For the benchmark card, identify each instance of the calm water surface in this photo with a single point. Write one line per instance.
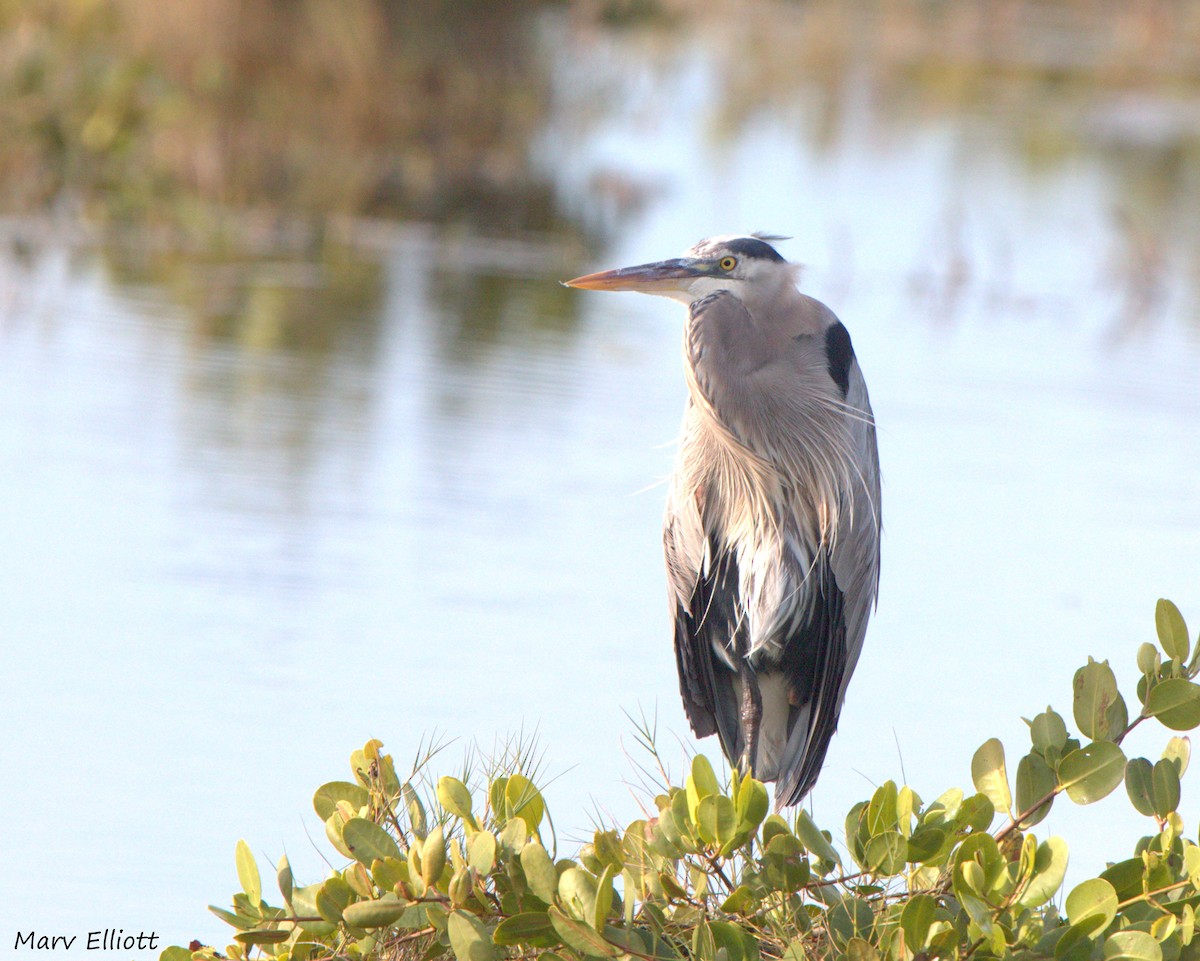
(262, 508)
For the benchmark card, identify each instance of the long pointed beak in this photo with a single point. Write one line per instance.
(657, 278)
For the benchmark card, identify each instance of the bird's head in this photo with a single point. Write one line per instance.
(745, 266)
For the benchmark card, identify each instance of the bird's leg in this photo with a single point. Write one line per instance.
(751, 717)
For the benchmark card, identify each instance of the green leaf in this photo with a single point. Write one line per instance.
(1092, 905)
(736, 943)
(283, 876)
(577, 889)
(704, 946)
(1067, 947)
(524, 801)
(1172, 631)
(1176, 703)
(433, 856)
(908, 803)
(882, 812)
(453, 795)
(976, 812)
(481, 852)
(416, 810)
(701, 783)
(374, 914)
(741, 901)
(530, 927)
(990, 775)
(1035, 780)
(796, 951)
(175, 953)
(1048, 732)
(813, 839)
(266, 936)
(1163, 927)
(388, 872)
(772, 826)
(333, 831)
(916, 920)
(1148, 660)
(326, 799)
(604, 899)
(607, 848)
(925, 844)
(1191, 863)
(886, 853)
(304, 902)
(860, 949)
(785, 868)
(1099, 708)
(753, 803)
(239, 921)
(247, 872)
(1139, 785)
(850, 918)
(1049, 869)
(368, 842)
(981, 865)
(437, 915)
(972, 877)
(1091, 772)
(460, 886)
(1126, 877)
(540, 873)
(1132, 946)
(1165, 786)
(333, 897)
(716, 819)
(469, 937)
(704, 776)
(1178, 751)
(514, 836)
(581, 937)
(856, 830)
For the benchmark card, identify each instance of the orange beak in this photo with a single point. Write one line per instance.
(657, 278)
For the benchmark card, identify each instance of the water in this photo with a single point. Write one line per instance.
(263, 507)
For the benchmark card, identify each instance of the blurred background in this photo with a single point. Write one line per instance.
(301, 442)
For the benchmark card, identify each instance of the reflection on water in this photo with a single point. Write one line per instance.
(279, 483)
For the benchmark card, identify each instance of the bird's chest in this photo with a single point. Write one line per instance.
(734, 490)
(759, 532)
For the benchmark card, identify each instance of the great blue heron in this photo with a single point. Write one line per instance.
(772, 522)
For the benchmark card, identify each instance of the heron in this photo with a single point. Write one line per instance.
(772, 523)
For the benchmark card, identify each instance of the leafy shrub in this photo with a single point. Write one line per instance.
(717, 877)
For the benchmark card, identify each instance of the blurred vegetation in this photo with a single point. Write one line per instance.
(407, 110)
(195, 138)
(428, 110)
(441, 869)
(254, 159)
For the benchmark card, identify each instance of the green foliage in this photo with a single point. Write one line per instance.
(471, 874)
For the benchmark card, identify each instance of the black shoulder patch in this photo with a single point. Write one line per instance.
(753, 248)
(838, 355)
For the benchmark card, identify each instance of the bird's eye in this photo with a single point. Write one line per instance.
(728, 263)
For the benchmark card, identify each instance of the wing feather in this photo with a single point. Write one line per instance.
(820, 658)
(704, 595)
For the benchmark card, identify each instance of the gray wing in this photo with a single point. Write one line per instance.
(856, 555)
(821, 656)
(704, 593)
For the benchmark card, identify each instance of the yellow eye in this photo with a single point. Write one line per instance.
(728, 263)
